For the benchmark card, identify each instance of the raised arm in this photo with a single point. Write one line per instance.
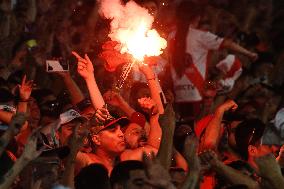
(155, 133)
(154, 86)
(25, 90)
(30, 153)
(113, 98)
(75, 142)
(17, 122)
(72, 87)
(86, 70)
(190, 152)
(213, 131)
(236, 177)
(229, 44)
(167, 123)
(269, 170)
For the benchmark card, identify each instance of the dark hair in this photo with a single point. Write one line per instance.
(186, 12)
(47, 108)
(121, 172)
(93, 176)
(7, 163)
(15, 78)
(39, 94)
(6, 96)
(248, 132)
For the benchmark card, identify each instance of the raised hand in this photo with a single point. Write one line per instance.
(228, 105)
(102, 115)
(80, 131)
(267, 166)
(113, 58)
(280, 158)
(31, 152)
(85, 67)
(168, 118)
(25, 89)
(113, 98)
(148, 105)
(208, 159)
(157, 175)
(190, 152)
(147, 71)
(18, 120)
(253, 56)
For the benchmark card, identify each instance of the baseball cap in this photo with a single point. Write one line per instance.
(274, 132)
(70, 115)
(110, 123)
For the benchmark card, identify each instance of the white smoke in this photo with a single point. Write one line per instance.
(128, 22)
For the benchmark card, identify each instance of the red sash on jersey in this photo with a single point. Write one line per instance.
(237, 65)
(195, 77)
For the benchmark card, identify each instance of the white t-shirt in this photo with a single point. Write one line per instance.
(198, 45)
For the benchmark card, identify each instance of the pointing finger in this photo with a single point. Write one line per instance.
(87, 58)
(76, 55)
(24, 80)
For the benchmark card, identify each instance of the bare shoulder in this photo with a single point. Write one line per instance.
(136, 154)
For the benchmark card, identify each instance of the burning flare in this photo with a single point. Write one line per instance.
(131, 27)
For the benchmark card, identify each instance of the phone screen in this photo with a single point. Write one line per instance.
(56, 66)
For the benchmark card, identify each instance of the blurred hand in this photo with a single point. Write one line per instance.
(80, 131)
(267, 166)
(113, 98)
(113, 58)
(85, 67)
(152, 60)
(208, 159)
(18, 120)
(168, 118)
(228, 105)
(31, 152)
(146, 70)
(148, 105)
(280, 158)
(157, 175)
(25, 89)
(253, 56)
(190, 152)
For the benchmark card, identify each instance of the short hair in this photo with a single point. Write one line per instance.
(121, 172)
(6, 96)
(248, 132)
(93, 176)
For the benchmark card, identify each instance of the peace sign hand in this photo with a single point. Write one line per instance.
(25, 89)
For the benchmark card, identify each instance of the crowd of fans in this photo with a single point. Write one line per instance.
(207, 113)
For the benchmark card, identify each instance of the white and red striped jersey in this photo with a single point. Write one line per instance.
(189, 87)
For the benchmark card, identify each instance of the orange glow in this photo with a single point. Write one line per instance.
(141, 42)
(131, 27)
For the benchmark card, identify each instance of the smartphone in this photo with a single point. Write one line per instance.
(57, 66)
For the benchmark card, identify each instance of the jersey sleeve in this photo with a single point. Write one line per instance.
(211, 41)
